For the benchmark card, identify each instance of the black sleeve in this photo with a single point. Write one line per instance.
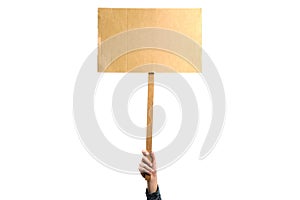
(153, 196)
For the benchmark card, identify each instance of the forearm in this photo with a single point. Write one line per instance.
(152, 192)
(152, 184)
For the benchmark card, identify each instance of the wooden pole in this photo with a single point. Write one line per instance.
(149, 117)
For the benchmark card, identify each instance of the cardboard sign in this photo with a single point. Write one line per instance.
(131, 37)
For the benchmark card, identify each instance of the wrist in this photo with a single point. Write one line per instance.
(152, 184)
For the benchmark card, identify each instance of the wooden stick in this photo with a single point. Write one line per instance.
(149, 117)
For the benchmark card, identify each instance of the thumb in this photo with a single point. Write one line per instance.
(153, 158)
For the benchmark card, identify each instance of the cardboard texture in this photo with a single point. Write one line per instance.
(115, 23)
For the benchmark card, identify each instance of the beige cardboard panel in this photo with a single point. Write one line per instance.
(111, 21)
(186, 21)
(160, 57)
(148, 56)
(114, 21)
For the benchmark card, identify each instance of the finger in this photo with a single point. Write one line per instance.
(148, 168)
(146, 161)
(145, 153)
(143, 171)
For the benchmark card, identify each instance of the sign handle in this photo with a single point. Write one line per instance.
(149, 117)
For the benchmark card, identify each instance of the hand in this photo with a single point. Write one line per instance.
(148, 167)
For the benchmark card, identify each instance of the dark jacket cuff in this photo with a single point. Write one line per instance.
(154, 195)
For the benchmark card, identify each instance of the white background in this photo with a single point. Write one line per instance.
(255, 45)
